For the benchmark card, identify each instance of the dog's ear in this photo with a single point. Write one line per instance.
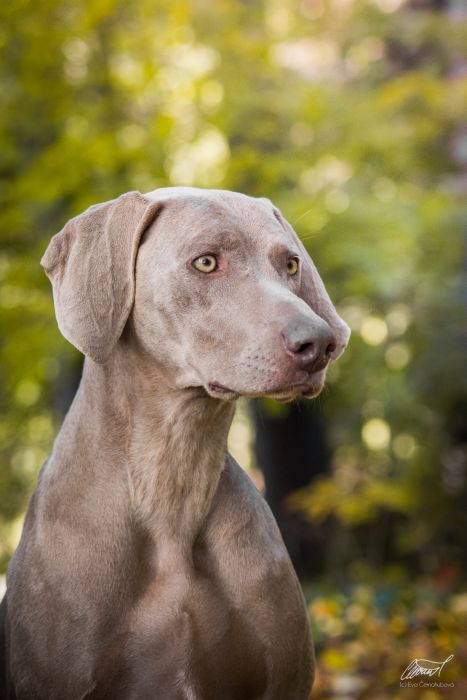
(315, 294)
(91, 264)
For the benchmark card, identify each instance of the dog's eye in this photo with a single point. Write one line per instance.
(292, 266)
(205, 263)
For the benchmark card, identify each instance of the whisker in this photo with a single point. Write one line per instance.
(302, 215)
(307, 238)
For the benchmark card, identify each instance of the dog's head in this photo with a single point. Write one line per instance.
(216, 286)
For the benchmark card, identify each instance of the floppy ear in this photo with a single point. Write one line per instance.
(91, 264)
(315, 294)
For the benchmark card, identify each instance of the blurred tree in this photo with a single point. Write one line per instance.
(348, 115)
(290, 448)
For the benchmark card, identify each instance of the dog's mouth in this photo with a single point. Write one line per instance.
(218, 391)
(283, 394)
(307, 391)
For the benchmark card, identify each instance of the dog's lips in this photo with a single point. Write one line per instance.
(286, 393)
(292, 392)
(312, 392)
(309, 387)
(221, 392)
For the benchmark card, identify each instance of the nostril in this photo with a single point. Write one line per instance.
(306, 348)
(330, 349)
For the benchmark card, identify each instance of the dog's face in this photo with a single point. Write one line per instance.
(216, 286)
(227, 298)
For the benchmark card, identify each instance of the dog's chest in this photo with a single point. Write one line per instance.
(186, 635)
(214, 624)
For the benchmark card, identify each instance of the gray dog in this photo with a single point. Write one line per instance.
(149, 566)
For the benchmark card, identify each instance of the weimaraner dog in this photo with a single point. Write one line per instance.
(149, 567)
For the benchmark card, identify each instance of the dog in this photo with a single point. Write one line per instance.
(149, 566)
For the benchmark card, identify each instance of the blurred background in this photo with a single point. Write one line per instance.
(350, 116)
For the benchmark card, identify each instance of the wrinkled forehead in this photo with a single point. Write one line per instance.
(190, 216)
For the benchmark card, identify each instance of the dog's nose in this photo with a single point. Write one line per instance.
(310, 345)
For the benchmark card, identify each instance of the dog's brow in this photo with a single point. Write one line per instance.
(282, 249)
(227, 240)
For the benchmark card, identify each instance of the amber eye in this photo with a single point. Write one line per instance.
(292, 266)
(205, 263)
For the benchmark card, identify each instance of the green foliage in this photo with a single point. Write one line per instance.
(345, 115)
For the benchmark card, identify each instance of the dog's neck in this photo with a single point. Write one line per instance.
(174, 441)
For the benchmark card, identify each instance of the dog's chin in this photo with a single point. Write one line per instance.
(285, 394)
(307, 391)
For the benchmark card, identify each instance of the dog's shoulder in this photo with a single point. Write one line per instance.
(236, 486)
(240, 516)
(251, 560)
